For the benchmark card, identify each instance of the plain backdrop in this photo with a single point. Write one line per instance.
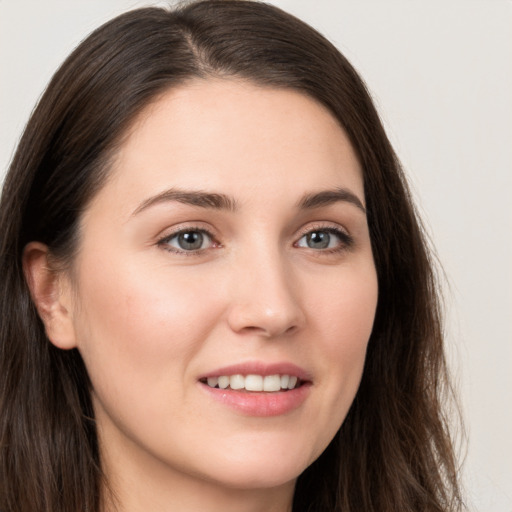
(440, 72)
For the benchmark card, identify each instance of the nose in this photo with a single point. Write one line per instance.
(265, 299)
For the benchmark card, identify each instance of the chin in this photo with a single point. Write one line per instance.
(262, 470)
(260, 478)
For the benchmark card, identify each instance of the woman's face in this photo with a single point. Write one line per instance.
(230, 240)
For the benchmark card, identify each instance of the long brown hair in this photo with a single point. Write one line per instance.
(393, 451)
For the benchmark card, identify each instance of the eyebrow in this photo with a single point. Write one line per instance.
(220, 201)
(328, 197)
(192, 197)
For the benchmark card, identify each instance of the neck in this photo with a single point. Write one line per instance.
(204, 498)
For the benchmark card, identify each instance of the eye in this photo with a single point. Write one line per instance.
(189, 240)
(325, 238)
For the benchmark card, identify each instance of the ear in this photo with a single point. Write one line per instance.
(51, 293)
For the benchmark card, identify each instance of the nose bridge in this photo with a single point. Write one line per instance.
(266, 299)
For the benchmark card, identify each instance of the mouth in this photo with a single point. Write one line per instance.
(258, 389)
(254, 383)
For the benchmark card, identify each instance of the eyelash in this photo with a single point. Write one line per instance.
(345, 240)
(164, 242)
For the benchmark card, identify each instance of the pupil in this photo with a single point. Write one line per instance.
(191, 240)
(318, 240)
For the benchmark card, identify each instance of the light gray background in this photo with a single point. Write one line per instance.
(441, 74)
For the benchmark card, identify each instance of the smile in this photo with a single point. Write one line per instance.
(254, 383)
(257, 388)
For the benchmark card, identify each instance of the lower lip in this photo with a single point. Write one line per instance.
(260, 403)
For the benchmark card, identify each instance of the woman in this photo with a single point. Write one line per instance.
(216, 293)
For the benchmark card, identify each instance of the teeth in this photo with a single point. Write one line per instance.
(254, 383)
(223, 382)
(272, 383)
(237, 382)
(212, 381)
(269, 383)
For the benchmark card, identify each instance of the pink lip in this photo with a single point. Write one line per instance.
(261, 404)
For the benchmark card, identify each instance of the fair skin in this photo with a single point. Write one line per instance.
(171, 286)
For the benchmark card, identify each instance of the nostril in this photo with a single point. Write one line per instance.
(291, 329)
(268, 332)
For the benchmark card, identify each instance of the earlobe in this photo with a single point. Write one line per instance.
(51, 295)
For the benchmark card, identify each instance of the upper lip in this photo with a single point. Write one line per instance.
(260, 368)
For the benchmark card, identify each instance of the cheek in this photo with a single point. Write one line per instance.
(138, 325)
(344, 315)
(344, 310)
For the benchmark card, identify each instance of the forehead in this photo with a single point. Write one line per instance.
(238, 138)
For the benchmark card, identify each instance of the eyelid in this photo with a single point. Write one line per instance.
(162, 240)
(322, 225)
(346, 239)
